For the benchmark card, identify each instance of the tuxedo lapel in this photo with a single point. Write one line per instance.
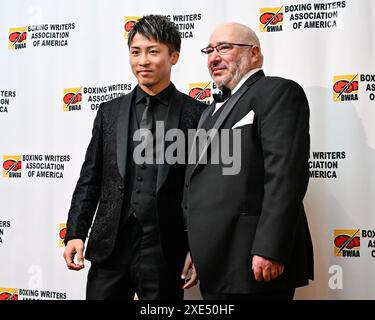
(123, 132)
(206, 113)
(227, 109)
(172, 122)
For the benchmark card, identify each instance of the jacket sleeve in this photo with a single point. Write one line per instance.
(285, 140)
(87, 191)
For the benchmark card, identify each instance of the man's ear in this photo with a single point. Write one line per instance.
(174, 57)
(255, 57)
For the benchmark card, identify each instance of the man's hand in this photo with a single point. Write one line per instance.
(194, 277)
(265, 269)
(74, 247)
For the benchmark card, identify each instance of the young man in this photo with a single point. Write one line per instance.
(137, 242)
(249, 237)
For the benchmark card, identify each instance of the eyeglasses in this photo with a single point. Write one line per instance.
(223, 48)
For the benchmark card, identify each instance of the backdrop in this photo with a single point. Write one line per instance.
(60, 59)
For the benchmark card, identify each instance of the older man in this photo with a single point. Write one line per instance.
(248, 233)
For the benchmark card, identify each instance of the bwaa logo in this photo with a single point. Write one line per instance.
(17, 38)
(271, 19)
(62, 234)
(12, 166)
(129, 23)
(72, 99)
(345, 87)
(201, 91)
(346, 243)
(8, 294)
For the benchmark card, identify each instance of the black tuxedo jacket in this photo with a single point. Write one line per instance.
(258, 211)
(100, 187)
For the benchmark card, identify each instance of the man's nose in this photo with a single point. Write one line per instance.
(214, 57)
(143, 59)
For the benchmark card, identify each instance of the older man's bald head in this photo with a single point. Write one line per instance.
(237, 31)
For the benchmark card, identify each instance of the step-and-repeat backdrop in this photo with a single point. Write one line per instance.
(60, 59)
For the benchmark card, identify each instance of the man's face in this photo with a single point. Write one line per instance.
(151, 63)
(227, 69)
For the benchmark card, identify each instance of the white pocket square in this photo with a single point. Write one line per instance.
(248, 119)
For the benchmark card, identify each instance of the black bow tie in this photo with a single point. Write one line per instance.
(224, 95)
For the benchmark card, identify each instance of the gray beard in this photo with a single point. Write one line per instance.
(235, 76)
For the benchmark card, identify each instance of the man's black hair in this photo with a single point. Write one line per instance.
(159, 28)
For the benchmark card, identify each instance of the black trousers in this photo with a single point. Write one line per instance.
(277, 295)
(136, 265)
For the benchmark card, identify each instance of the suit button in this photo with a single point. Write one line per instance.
(137, 191)
(139, 178)
(121, 188)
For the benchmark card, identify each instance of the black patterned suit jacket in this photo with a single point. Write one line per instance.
(100, 188)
